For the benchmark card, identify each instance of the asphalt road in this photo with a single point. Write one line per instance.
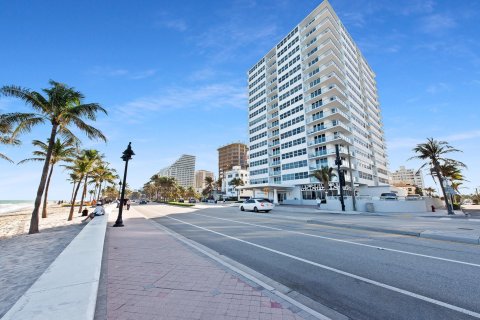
(361, 274)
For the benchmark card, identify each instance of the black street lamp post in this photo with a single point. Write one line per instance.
(341, 178)
(127, 155)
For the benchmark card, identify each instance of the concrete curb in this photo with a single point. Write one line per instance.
(421, 234)
(68, 288)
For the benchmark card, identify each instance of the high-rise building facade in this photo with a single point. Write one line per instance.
(405, 176)
(230, 155)
(200, 176)
(310, 92)
(183, 170)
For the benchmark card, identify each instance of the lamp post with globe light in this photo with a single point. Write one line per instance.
(127, 155)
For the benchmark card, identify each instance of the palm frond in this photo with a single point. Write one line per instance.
(32, 98)
(4, 157)
(30, 159)
(91, 132)
(88, 110)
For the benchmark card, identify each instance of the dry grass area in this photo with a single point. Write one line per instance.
(18, 223)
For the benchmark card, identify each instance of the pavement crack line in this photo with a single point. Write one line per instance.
(351, 275)
(347, 241)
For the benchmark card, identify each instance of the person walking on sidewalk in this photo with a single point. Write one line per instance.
(318, 203)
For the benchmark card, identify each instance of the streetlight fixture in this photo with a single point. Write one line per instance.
(127, 155)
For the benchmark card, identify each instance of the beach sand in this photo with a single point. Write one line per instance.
(26, 256)
(18, 223)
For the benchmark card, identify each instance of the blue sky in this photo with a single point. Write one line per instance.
(173, 74)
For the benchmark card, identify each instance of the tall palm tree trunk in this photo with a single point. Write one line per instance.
(41, 187)
(440, 179)
(44, 209)
(99, 190)
(73, 191)
(83, 194)
(70, 215)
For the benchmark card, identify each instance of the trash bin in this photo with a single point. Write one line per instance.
(369, 207)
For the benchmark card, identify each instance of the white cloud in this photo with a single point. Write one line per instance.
(210, 96)
(167, 20)
(119, 72)
(437, 23)
(462, 136)
(409, 143)
(438, 88)
(175, 24)
(417, 7)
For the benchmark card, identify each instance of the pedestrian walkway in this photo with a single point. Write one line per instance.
(151, 275)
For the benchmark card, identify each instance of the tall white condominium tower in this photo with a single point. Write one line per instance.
(183, 170)
(314, 90)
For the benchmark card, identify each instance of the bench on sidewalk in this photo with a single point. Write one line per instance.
(68, 288)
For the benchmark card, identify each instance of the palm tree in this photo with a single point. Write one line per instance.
(91, 192)
(182, 192)
(218, 184)
(62, 151)
(82, 167)
(63, 109)
(429, 191)
(236, 182)
(102, 173)
(91, 157)
(434, 152)
(190, 193)
(324, 175)
(6, 138)
(209, 184)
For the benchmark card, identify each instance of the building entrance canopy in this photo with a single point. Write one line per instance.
(268, 188)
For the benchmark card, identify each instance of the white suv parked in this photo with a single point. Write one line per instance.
(257, 205)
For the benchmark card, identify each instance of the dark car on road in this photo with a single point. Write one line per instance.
(143, 201)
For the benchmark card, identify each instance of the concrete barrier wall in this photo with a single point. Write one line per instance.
(68, 288)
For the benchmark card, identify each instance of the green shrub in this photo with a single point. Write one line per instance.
(456, 206)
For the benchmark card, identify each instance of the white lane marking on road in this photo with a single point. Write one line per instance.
(351, 275)
(346, 241)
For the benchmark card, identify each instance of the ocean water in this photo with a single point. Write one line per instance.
(10, 206)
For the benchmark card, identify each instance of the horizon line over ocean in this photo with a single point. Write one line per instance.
(10, 206)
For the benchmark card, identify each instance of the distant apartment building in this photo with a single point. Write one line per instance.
(406, 177)
(200, 176)
(230, 190)
(312, 91)
(230, 155)
(183, 170)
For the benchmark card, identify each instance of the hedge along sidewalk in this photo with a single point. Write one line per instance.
(68, 288)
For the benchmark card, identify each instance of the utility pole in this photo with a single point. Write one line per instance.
(341, 178)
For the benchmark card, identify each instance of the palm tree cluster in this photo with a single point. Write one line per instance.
(63, 109)
(89, 168)
(236, 182)
(442, 169)
(166, 189)
(324, 175)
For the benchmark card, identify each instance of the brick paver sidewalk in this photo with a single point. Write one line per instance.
(151, 275)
